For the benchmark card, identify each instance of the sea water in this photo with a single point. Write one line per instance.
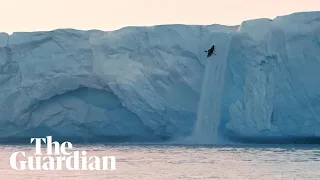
(172, 162)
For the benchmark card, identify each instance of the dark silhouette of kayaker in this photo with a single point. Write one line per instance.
(210, 51)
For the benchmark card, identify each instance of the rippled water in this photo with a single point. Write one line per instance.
(155, 162)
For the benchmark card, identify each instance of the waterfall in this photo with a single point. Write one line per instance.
(208, 116)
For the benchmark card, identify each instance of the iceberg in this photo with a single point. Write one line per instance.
(156, 83)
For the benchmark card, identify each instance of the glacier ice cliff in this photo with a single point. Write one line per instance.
(267, 83)
(155, 83)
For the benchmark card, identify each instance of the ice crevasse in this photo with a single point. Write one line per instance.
(156, 83)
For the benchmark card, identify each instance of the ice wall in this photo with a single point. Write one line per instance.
(134, 84)
(270, 91)
(144, 83)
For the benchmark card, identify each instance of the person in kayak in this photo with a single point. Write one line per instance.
(210, 51)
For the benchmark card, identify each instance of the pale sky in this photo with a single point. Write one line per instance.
(36, 15)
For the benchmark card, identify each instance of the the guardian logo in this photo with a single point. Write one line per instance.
(62, 158)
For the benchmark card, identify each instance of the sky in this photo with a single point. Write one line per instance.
(40, 15)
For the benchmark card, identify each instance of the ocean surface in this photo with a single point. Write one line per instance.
(172, 162)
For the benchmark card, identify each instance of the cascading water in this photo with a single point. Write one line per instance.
(208, 117)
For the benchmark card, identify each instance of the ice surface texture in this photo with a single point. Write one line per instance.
(145, 83)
